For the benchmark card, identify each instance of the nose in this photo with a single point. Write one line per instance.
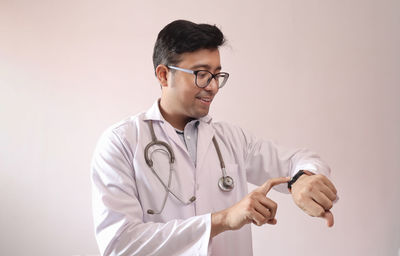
(213, 85)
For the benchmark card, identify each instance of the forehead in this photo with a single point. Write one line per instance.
(206, 58)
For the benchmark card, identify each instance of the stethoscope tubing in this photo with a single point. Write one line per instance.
(225, 183)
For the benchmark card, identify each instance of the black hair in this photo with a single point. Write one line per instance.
(181, 36)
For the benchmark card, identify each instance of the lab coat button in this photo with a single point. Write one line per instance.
(188, 137)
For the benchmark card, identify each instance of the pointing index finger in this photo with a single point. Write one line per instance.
(266, 187)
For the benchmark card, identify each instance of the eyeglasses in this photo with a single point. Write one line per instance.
(204, 77)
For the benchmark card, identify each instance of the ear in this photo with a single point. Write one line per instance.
(162, 75)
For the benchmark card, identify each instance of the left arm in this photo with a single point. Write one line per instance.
(315, 195)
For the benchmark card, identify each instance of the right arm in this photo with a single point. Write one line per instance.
(118, 215)
(255, 208)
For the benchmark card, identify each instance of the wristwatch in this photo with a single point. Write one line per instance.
(296, 177)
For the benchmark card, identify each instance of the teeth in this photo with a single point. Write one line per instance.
(204, 99)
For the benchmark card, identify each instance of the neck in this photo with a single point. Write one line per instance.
(177, 120)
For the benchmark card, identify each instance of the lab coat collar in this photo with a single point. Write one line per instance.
(205, 133)
(154, 113)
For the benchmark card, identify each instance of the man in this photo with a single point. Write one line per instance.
(170, 181)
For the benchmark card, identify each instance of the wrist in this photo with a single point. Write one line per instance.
(218, 223)
(299, 175)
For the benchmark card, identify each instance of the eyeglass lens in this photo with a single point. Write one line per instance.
(203, 78)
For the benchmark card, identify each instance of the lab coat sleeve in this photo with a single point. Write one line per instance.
(118, 215)
(264, 160)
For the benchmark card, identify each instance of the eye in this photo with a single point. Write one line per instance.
(202, 74)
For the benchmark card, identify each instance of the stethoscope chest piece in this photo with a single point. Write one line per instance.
(226, 183)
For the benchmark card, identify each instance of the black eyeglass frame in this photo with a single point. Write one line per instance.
(225, 75)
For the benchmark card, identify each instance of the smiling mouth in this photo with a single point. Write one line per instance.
(204, 99)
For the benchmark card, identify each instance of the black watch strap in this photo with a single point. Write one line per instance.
(295, 177)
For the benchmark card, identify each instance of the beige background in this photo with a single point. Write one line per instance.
(319, 74)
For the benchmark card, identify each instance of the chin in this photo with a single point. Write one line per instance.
(199, 114)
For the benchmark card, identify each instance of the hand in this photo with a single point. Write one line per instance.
(315, 194)
(256, 207)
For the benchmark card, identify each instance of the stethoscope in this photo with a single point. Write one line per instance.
(225, 183)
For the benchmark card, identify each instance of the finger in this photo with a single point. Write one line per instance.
(320, 185)
(263, 210)
(321, 199)
(312, 208)
(328, 192)
(257, 218)
(266, 187)
(270, 205)
(329, 218)
(272, 222)
(327, 182)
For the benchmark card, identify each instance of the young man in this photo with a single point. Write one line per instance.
(170, 181)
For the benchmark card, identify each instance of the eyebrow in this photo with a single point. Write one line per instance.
(205, 66)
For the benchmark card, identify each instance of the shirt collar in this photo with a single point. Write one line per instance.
(154, 114)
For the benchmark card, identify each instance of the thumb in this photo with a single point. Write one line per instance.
(266, 187)
(329, 218)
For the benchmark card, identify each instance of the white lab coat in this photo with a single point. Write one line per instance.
(124, 187)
